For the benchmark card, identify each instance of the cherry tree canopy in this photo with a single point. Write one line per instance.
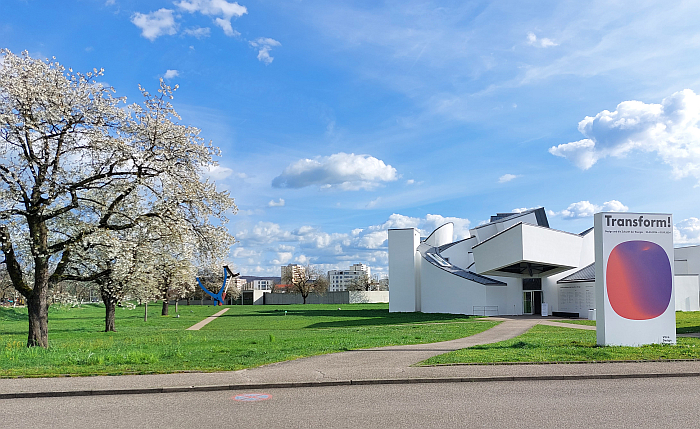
(78, 166)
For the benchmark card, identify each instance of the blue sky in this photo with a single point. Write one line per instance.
(338, 120)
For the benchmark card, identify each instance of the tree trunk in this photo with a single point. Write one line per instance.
(37, 304)
(110, 307)
(304, 297)
(38, 319)
(145, 312)
(166, 306)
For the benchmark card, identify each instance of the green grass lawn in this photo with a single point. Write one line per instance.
(553, 344)
(686, 322)
(245, 336)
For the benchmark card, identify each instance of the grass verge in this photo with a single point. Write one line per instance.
(686, 322)
(244, 337)
(554, 344)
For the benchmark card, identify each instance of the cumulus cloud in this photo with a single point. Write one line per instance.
(155, 24)
(218, 172)
(523, 209)
(687, 231)
(341, 170)
(222, 10)
(410, 182)
(584, 209)
(169, 74)
(543, 42)
(669, 129)
(274, 203)
(506, 178)
(198, 32)
(264, 45)
(276, 245)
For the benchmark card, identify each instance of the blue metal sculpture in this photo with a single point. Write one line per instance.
(221, 295)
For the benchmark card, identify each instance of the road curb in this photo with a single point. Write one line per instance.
(332, 383)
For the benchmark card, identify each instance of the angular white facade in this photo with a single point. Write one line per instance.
(509, 266)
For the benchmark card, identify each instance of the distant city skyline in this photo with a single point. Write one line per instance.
(339, 120)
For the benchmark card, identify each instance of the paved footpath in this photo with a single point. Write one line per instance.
(385, 365)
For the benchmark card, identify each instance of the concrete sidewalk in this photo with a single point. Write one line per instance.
(369, 366)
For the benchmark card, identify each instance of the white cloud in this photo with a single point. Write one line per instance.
(373, 203)
(410, 182)
(340, 170)
(264, 232)
(109, 2)
(221, 9)
(506, 178)
(169, 74)
(461, 225)
(539, 42)
(282, 258)
(155, 24)
(264, 45)
(218, 172)
(274, 203)
(270, 242)
(524, 209)
(373, 240)
(669, 129)
(198, 32)
(687, 231)
(584, 209)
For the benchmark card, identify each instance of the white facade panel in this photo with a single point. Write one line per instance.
(687, 291)
(402, 270)
(499, 251)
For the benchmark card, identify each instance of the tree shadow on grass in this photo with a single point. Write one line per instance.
(353, 318)
(12, 315)
(688, 330)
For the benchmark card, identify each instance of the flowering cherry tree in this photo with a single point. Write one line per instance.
(80, 169)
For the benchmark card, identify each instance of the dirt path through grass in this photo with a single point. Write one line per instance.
(199, 325)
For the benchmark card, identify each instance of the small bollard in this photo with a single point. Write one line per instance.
(285, 312)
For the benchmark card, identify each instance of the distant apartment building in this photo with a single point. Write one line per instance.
(259, 283)
(239, 282)
(339, 280)
(292, 271)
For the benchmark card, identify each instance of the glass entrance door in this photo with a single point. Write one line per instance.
(532, 302)
(527, 302)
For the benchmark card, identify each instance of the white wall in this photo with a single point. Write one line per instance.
(460, 254)
(442, 235)
(687, 291)
(258, 298)
(443, 292)
(403, 277)
(368, 296)
(691, 254)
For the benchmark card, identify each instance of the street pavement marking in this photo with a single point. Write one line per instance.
(250, 397)
(200, 325)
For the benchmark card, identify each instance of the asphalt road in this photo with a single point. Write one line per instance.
(623, 403)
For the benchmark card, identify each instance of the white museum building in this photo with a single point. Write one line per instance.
(513, 265)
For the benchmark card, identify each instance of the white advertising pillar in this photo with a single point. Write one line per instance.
(635, 302)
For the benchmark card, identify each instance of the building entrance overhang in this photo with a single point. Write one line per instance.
(526, 250)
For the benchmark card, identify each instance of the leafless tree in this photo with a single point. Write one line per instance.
(311, 280)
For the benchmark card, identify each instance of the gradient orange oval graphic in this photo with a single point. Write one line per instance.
(639, 280)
